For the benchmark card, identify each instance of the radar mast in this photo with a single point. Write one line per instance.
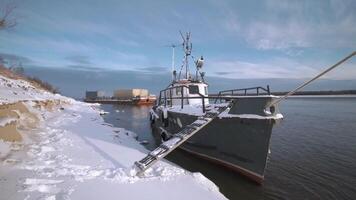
(184, 73)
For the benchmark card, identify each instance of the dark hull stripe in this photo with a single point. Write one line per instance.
(247, 173)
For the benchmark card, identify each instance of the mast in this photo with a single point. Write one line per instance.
(173, 47)
(187, 48)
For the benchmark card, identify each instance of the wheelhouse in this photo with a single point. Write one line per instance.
(190, 92)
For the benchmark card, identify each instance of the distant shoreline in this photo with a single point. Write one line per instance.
(323, 96)
(330, 93)
(319, 93)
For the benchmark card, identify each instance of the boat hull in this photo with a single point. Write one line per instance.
(238, 143)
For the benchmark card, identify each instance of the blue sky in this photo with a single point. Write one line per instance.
(238, 39)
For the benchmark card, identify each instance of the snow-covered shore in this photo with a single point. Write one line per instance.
(67, 151)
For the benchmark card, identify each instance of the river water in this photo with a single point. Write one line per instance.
(313, 151)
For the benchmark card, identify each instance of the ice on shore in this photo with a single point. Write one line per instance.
(74, 154)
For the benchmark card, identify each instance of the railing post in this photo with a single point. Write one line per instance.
(216, 100)
(182, 102)
(165, 98)
(159, 99)
(245, 92)
(269, 92)
(258, 91)
(203, 103)
(170, 96)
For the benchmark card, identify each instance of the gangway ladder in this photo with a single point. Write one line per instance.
(177, 139)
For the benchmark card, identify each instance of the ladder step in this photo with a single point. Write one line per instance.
(179, 138)
(139, 165)
(192, 126)
(159, 150)
(146, 160)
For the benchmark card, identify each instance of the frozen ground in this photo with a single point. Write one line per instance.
(73, 154)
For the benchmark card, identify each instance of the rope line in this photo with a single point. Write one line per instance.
(311, 80)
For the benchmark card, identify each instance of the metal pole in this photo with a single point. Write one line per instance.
(186, 67)
(182, 97)
(173, 47)
(159, 99)
(170, 96)
(311, 80)
(165, 98)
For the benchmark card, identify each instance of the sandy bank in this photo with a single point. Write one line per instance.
(15, 116)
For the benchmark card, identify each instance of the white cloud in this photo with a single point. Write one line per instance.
(265, 35)
(280, 68)
(281, 25)
(275, 68)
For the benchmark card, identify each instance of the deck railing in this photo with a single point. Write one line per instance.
(235, 92)
(166, 95)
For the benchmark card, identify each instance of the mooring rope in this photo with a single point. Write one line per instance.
(311, 80)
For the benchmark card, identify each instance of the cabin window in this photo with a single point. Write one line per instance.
(178, 91)
(206, 90)
(193, 89)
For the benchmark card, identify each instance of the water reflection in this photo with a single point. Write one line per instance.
(133, 118)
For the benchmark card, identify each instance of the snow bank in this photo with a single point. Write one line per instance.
(94, 159)
(4, 149)
(74, 154)
(19, 90)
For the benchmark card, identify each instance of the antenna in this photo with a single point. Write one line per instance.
(187, 48)
(173, 47)
(181, 34)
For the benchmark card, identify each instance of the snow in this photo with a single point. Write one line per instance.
(6, 120)
(5, 148)
(74, 154)
(225, 114)
(19, 90)
(199, 121)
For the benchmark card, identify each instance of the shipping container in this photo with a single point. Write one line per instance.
(94, 94)
(130, 93)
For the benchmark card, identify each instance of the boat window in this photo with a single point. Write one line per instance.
(178, 91)
(193, 89)
(206, 90)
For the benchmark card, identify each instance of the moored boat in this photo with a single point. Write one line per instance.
(239, 122)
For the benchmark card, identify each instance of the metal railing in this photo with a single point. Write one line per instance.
(237, 92)
(182, 97)
(167, 99)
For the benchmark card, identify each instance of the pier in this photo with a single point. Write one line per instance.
(121, 96)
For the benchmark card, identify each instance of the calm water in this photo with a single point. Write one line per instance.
(313, 151)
